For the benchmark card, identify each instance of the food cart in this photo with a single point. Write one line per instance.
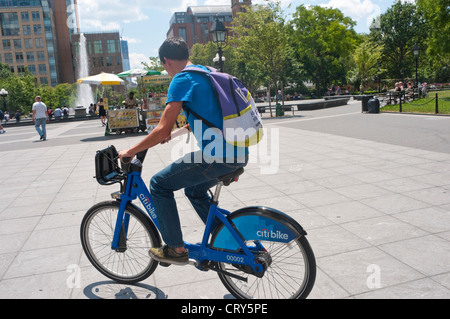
(153, 118)
(135, 120)
(125, 120)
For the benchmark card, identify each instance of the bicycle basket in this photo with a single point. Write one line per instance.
(107, 170)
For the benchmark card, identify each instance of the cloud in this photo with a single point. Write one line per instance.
(136, 59)
(359, 10)
(131, 40)
(356, 9)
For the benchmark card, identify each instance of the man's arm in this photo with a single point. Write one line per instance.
(160, 133)
(34, 114)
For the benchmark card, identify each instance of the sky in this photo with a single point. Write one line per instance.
(144, 23)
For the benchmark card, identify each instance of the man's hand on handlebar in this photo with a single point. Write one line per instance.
(126, 156)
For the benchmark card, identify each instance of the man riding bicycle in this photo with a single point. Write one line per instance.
(195, 172)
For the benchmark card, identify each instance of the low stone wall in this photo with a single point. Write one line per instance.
(316, 105)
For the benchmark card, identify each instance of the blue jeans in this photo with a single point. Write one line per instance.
(196, 177)
(41, 122)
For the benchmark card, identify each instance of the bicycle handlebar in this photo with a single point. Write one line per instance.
(128, 161)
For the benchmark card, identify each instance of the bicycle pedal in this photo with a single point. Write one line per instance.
(165, 264)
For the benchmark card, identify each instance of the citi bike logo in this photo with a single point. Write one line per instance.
(148, 205)
(270, 234)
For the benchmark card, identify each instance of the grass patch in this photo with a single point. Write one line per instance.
(424, 105)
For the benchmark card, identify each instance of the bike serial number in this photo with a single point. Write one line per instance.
(235, 259)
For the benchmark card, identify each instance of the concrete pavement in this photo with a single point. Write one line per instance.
(377, 214)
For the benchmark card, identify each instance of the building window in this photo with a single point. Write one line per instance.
(37, 29)
(36, 16)
(42, 69)
(40, 56)
(44, 81)
(8, 58)
(182, 33)
(30, 56)
(98, 49)
(109, 61)
(112, 46)
(19, 57)
(20, 69)
(98, 62)
(26, 30)
(17, 44)
(32, 69)
(39, 43)
(204, 32)
(25, 16)
(28, 43)
(9, 24)
(6, 44)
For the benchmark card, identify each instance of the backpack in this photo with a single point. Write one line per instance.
(241, 120)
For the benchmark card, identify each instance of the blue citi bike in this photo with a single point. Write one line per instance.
(258, 252)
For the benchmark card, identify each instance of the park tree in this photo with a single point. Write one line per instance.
(259, 37)
(398, 30)
(437, 34)
(21, 89)
(367, 59)
(153, 64)
(323, 39)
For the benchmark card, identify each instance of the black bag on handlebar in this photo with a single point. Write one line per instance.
(107, 170)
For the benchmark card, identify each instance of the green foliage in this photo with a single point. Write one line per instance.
(324, 40)
(400, 28)
(436, 63)
(22, 90)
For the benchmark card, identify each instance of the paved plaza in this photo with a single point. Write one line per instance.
(377, 213)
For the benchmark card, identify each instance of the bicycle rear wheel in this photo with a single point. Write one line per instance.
(129, 264)
(291, 268)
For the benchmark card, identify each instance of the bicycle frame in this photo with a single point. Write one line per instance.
(135, 188)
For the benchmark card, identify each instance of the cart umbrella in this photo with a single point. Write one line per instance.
(103, 79)
(137, 73)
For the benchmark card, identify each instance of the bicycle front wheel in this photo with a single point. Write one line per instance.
(131, 263)
(291, 267)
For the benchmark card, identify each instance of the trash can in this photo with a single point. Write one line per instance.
(373, 106)
(365, 101)
(279, 110)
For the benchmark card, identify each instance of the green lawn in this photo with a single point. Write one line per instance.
(425, 105)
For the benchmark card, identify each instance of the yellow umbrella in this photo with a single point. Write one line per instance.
(103, 79)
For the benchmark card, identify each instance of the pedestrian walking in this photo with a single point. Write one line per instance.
(40, 118)
(102, 112)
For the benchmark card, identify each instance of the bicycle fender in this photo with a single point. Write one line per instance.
(258, 223)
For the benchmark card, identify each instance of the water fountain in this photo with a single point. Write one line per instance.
(84, 91)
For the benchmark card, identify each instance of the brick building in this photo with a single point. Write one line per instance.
(194, 24)
(104, 50)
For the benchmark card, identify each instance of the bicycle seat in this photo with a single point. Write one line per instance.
(231, 177)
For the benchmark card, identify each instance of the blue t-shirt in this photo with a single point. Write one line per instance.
(197, 94)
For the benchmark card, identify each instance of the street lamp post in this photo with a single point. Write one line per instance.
(416, 52)
(218, 34)
(4, 94)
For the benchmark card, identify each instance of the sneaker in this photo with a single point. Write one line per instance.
(42, 136)
(168, 255)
